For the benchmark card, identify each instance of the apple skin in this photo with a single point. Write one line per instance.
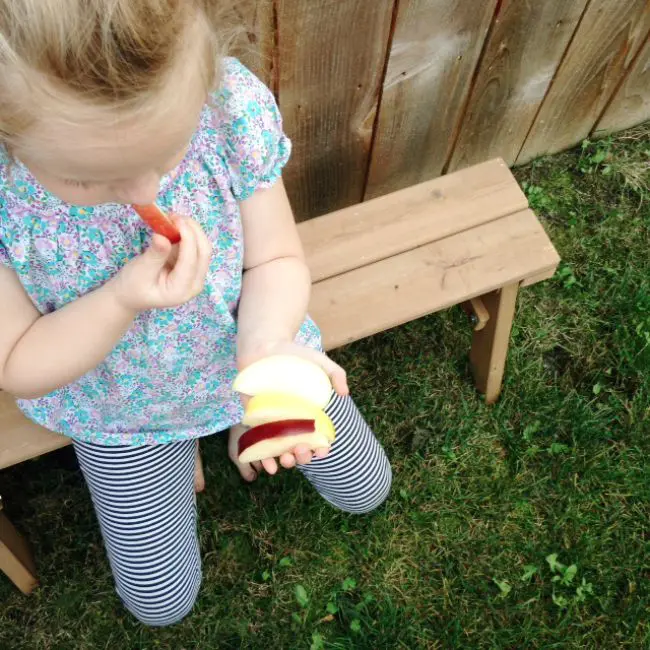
(275, 407)
(288, 374)
(158, 221)
(272, 439)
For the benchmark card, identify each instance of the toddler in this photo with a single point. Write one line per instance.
(109, 334)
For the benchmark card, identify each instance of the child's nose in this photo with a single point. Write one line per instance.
(142, 190)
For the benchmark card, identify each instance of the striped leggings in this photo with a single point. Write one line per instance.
(145, 502)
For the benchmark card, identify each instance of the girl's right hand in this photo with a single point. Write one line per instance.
(163, 277)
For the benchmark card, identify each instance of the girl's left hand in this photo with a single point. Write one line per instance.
(300, 455)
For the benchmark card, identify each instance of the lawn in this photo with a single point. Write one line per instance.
(523, 525)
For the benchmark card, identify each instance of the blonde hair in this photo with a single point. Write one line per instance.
(110, 53)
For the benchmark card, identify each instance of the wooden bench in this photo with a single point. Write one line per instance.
(466, 238)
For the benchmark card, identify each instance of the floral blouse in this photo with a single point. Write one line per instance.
(170, 377)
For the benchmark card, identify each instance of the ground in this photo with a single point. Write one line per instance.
(523, 525)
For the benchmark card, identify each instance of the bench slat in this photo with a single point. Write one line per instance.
(444, 273)
(373, 270)
(398, 222)
(20, 438)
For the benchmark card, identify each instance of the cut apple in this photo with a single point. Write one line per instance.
(289, 375)
(158, 221)
(273, 439)
(275, 407)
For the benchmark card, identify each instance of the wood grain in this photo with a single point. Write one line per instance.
(365, 233)
(524, 51)
(435, 50)
(331, 60)
(603, 48)
(16, 560)
(631, 105)
(254, 44)
(382, 295)
(490, 344)
(20, 438)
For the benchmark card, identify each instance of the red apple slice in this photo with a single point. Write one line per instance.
(158, 221)
(275, 407)
(275, 438)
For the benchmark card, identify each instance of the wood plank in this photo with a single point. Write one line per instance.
(436, 276)
(538, 277)
(631, 105)
(389, 225)
(16, 560)
(524, 51)
(20, 438)
(605, 44)
(436, 47)
(254, 43)
(331, 60)
(490, 344)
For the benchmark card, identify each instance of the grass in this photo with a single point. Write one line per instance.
(524, 525)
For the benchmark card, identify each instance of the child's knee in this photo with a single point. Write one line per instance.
(381, 492)
(367, 497)
(168, 607)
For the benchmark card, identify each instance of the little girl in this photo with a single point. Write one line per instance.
(112, 336)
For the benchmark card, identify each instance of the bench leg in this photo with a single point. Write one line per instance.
(15, 557)
(490, 345)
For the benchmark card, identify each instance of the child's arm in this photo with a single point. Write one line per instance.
(277, 284)
(275, 296)
(41, 353)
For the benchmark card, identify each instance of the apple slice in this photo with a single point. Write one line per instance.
(274, 407)
(273, 439)
(286, 374)
(158, 221)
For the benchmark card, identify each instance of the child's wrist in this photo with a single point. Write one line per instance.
(111, 292)
(249, 349)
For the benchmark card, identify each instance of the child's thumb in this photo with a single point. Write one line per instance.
(158, 252)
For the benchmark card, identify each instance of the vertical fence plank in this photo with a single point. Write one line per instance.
(604, 46)
(631, 105)
(435, 50)
(254, 45)
(331, 61)
(521, 58)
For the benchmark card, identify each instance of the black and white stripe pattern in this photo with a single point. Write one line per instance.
(146, 506)
(145, 502)
(356, 475)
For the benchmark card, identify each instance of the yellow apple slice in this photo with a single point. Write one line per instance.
(286, 374)
(275, 407)
(273, 439)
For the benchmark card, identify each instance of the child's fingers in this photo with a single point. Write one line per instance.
(183, 274)
(336, 374)
(156, 256)
(204, 255)
(270, 466)
(287, 461)
(322, 452)
(340, 382)
(302, 454)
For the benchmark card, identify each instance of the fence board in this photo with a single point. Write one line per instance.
(631, 105)
(602, 50)
(254, 45)
(435, 50)
(524, 51)
(331, 60)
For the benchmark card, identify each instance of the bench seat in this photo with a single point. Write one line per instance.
(394, 259)
(468, 236)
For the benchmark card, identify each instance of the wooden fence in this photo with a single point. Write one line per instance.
(380, 94)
